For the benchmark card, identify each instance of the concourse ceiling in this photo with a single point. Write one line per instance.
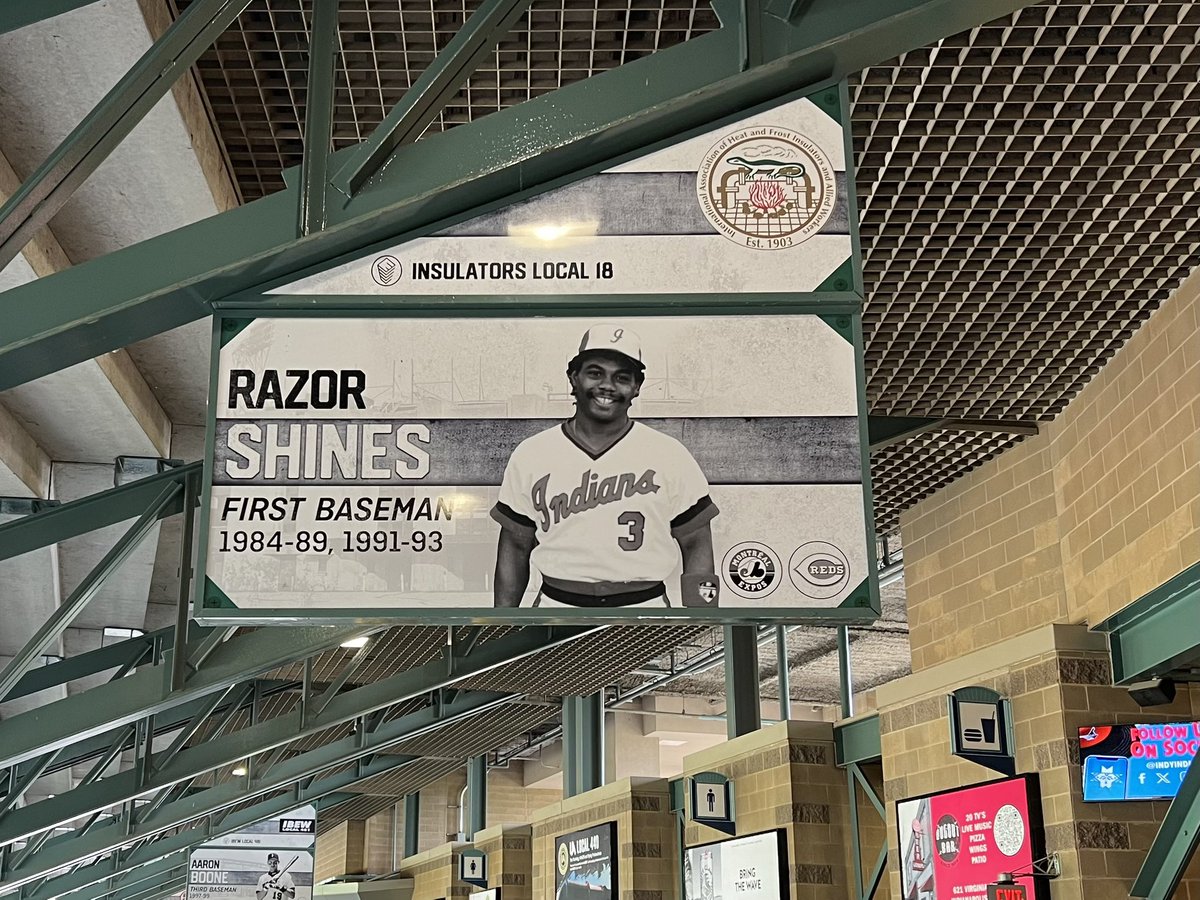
(1027, 197)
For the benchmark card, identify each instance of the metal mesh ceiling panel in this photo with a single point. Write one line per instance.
(405, 780)
(1026, 188)
(475, 735)
(256, 76)
(389, 652)
(586, 665)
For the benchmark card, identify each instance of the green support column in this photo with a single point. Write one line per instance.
(476, 796)
(583, 743)
(785, 679)
(412, 824)
(742, 714)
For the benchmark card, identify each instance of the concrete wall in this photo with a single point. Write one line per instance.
(1076, 523)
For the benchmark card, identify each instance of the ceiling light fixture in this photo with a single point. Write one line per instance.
(356, 643)
(239, 771)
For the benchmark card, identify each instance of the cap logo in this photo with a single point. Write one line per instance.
(618, 333)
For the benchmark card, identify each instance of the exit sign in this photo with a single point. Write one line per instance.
(1006, 892)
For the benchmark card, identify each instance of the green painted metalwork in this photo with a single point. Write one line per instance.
(364, 750)
(44, 193)
(570, 758)
(845, 672)
(783, 673)
(318, 116)
(476, 820)
(420, 105)
(1156, 633)
(589, 741)
(16, 14)
(742, 712)
(1174, 845)
(412, 824)
(857, 740)
(348, 706)
(68, 520)
(108, 706)
(69, 609)
(552, 140)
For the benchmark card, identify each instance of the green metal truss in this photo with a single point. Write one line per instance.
(568, 134)
(1156, 633)
(1174, 845)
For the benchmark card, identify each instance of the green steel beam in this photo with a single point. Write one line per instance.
(512, 154)
(477, 791)
(69, 609)
(89, 513)
(136, 882)
(258, 738)
(857, 740)
(1174, 845)
(421, 103)
(570, 758)
(47, 191)
(318, 117)
(289, 775)
(412, 824)
(743, 713)
(145, 692)
(1156, 633)
(16, 14)
(589, 741)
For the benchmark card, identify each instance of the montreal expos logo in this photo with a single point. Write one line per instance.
(751, 570)
(819, 570)
(766, 188)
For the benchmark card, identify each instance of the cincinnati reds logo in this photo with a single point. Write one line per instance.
(766, 188)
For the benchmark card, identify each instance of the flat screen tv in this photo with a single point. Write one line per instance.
(1136, 762)
(585, 864)
(954, 843)
(754, 867)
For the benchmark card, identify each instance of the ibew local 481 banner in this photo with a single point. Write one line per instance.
(374, 463)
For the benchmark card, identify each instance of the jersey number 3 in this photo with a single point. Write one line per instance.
(636, 523)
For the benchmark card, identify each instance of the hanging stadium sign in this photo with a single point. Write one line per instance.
(537, 469)
(760, 205)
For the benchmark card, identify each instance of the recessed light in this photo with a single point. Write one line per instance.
(239, 770)
(356, 643)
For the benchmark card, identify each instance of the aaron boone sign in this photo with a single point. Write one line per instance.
(559, 461)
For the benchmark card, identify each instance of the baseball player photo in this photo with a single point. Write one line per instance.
(274, 884)
(601, 505)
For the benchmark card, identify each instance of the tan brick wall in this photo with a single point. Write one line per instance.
(510, 859)
(340, 851)
(1073, 524)
(509, 803)
(435, 873)
(784, 777)
(647, 860)
(1062, 686)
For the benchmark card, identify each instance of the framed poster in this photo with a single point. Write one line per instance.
(239, 874)
(753, 867)
(585, 864)
(954, 843)
(662, 464)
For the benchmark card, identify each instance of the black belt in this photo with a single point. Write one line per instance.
(627, 598)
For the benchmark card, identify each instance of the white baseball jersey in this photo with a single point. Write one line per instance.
(610, 519)
(283, 884)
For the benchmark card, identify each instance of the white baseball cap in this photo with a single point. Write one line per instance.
(614, 338)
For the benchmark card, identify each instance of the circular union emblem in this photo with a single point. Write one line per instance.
(386, 270)
(564, 859)
(819, 570)
(751, 570)
(766, 188)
